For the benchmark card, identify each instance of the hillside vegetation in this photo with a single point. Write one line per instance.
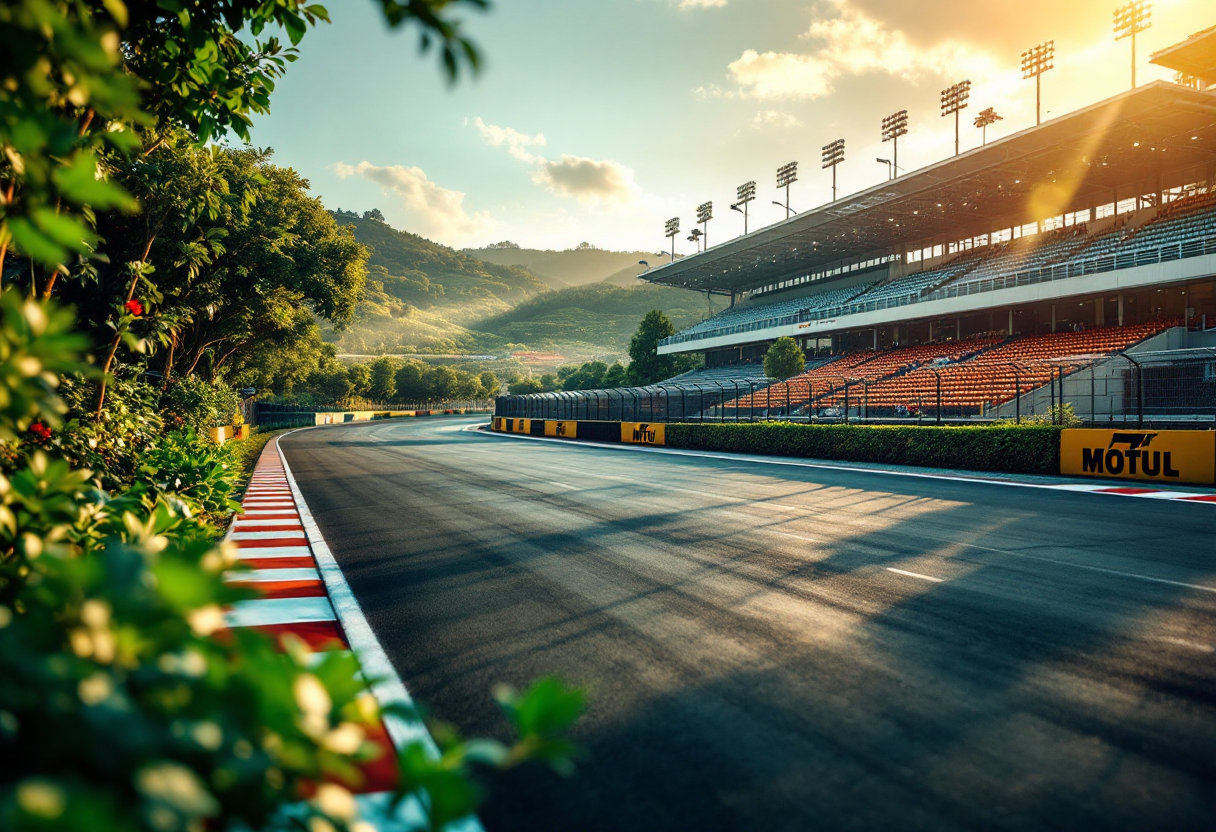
(422, 297)
(574, 267)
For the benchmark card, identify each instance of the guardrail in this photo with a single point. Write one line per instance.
(1105, 263)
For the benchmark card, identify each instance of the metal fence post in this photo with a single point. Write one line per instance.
(937, 374)
(846, 401)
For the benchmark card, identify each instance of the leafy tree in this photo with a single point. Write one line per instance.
(525, 386)
(646, 366)
(374, 215)
(784, 359)
(383, 379)
(410, 384)
(490, 385)
(360, 376)
(548, 382)
(617, 376)
(440, 383)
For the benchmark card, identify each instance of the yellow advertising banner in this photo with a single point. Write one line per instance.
(521, 425)
(562, 430)
(643, 433)
(1157, 456)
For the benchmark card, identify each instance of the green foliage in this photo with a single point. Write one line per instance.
(36, 347)
(490, 384)
(1064, 416)
(646, 366)
(201, 474)
(784, 359)
(1015, 449)
(525, 386)
(199, 405)
(383, 379)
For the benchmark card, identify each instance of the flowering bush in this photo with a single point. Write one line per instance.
(134, 307)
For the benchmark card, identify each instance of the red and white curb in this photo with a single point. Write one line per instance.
(1087, 488)
(305, 594)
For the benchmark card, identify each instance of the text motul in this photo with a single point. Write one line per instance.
(1135, 458)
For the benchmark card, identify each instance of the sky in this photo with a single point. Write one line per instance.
(597, 120)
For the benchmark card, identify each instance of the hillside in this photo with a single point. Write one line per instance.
(594, 319)
(422, 297)
(574, 267)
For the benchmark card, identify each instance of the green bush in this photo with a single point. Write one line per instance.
(1017, 449)
(192, 402)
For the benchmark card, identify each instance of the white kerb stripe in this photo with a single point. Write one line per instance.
(267, 535)
(266, 611)
(298, 573)
(274, 552)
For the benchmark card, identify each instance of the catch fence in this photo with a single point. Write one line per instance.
(1175, 388)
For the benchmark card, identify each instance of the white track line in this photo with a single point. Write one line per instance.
(263, 611)
(298, 573)
(375, 662)
(916, 575)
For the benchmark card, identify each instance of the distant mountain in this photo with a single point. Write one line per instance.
(575, 267)
(422, 297)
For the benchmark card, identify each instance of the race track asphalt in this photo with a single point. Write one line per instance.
(1041, 660)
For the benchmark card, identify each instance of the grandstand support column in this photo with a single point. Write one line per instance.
(958, 329)
(930, 332)
(1010, 330)
(875, 339)
(1053, 317)
(1120, 309)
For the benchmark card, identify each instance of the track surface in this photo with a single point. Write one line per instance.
(754, 663)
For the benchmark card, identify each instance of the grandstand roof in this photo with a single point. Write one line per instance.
(1194, 56)
(1080, 159)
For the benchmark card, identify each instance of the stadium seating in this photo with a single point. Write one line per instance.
(996, 375)
(758, 315)
(740, 373)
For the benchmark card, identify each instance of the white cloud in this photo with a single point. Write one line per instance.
(702, 4)
(848, 42)
(517, 143)
(587, 180)
(594, 181)
(775, 118)
(432, 211)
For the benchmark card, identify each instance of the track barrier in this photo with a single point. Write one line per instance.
(1165, 456)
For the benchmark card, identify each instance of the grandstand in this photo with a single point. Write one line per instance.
(982, 282)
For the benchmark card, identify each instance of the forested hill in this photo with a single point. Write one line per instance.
(411, 268)
(573, 267)
(424, 297)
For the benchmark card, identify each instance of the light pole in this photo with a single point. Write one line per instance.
(1035, 61)
(745, 193)
(695, 238)
(833, 155)
(985, 118)
(787, 175)
(894, 126)
(890, 167)
(705, 213)
(1130, 19)
(954, 100)
(671, 228)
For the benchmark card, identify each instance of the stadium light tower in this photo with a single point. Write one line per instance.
(787, 175)
(671, 228)
(833, 155)
(954, 100)
(1130, 19)
(890, 167)
(745, 193)
(705, 213)
(695, 237)
(894, 126)
(1035, 61)
(985, 118)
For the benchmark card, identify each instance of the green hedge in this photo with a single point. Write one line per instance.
(1017, 449)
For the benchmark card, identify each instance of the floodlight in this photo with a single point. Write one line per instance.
(671, 228)
(833, 155)
(985, 118)
(894, 126)
(787, 174)
(1130, 19)
(1035, 61)
(954, 100)
(745, 193)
